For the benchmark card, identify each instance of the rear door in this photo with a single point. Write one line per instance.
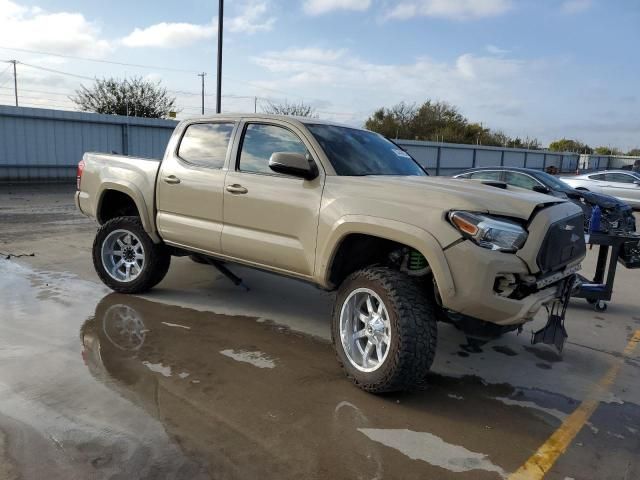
(271, 219)
(622, 186)
(595, 183)
(190, 186)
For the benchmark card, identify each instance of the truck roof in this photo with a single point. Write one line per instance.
(267, 116)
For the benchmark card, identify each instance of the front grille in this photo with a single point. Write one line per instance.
(563, 244)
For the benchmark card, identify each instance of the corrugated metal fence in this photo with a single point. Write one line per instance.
(43, 144)
(451, 158)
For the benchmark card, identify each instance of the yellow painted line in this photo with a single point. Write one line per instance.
(546, 456)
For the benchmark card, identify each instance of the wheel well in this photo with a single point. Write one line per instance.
(116, 204)
(357, 251)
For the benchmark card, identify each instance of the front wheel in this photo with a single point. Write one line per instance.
(384, 330)
(125, 257)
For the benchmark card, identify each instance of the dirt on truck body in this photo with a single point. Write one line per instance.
(344, 209)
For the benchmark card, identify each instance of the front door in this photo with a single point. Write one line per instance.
(191, 185)
(271, 219)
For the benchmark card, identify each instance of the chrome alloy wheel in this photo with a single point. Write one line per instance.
(365, 329)
(123, 255)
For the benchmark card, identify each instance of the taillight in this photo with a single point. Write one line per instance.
(79, 174)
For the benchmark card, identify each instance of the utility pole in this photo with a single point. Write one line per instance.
(203, 74)
(15, 80)
(255, 104)
(219, 79)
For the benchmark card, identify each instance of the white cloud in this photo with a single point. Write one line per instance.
(318, 7)
(310, 54)
(493, 50)
(59, 32)
(169, 35)
(450, 9)
(359, 86)
(576, 6)
(251, 18)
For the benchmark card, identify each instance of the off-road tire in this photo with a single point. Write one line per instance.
(157, 257)
(414, 332)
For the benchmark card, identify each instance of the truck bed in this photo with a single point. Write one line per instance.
(134, 176)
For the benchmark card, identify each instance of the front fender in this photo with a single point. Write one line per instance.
(393, 230)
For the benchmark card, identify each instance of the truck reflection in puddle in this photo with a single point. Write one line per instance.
(250, 399)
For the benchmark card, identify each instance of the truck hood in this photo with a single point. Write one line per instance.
(457, 193)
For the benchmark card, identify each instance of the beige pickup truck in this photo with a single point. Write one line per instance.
(344, 209)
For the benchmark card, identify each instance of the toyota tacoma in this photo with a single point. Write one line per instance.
(347, 210)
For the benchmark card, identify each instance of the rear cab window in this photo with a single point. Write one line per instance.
(206, 144)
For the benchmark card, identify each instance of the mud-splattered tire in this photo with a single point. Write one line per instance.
(408, 317)
(148, 262)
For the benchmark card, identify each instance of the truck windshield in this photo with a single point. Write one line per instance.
(354, 152)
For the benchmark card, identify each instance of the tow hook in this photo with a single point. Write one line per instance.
(554, 332)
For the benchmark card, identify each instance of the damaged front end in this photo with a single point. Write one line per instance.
(617, 216)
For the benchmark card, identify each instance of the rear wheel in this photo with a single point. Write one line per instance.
(384, 330)
(125, 257)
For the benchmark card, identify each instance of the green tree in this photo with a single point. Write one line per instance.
(133, 97)
(438, 121)
(607, 151)
(634, 152)
(394, 122)
(299, 109)
(568, 145)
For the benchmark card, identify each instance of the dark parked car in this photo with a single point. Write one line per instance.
(635, 167)
(616, 215)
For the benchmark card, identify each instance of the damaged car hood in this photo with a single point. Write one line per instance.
(451, 193)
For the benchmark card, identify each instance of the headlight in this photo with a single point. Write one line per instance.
(489, 232)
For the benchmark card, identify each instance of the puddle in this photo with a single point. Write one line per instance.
(158, 368)
(433, 450)
(257, 359)
(121, 385)
(175, 325)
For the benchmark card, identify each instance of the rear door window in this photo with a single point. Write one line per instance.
(619, 178)
(487, 175)
(599, 176)
(206, 144)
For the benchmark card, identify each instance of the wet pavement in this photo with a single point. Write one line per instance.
(199, 379)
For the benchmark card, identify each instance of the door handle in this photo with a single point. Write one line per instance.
(236, 189)
(171, 180)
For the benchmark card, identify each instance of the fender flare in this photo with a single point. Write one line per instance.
(393, 230)
(132, 191)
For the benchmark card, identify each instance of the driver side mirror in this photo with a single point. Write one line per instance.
(541, 189)
(637, 183)
(294, 164)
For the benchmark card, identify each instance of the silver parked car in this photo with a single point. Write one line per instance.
(622, 184)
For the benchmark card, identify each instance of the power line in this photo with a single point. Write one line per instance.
(97, 60)
(59, 72)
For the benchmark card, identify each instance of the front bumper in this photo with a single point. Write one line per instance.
(474, 271)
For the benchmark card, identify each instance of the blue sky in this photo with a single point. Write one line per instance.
(545, 68)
